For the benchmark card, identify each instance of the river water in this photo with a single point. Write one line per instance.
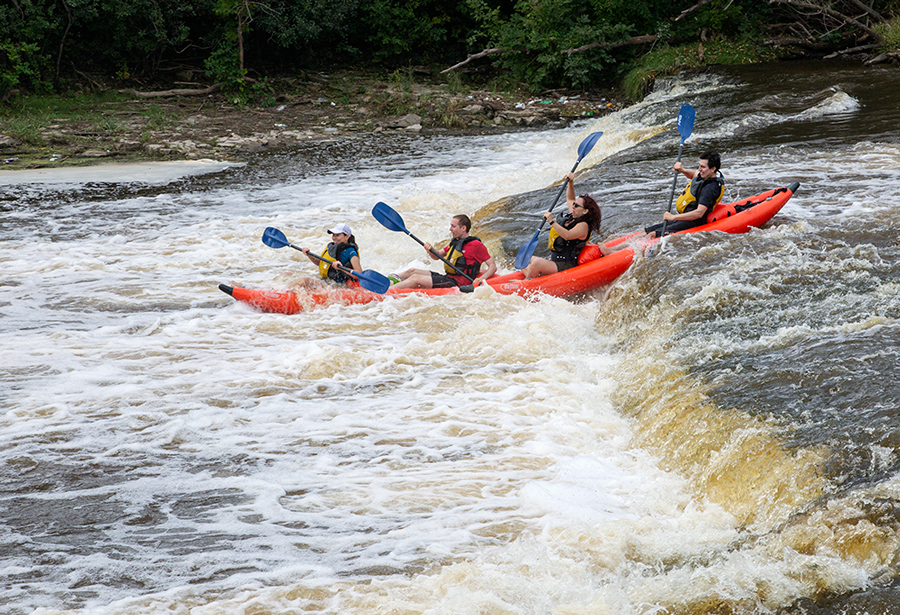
(716, 432)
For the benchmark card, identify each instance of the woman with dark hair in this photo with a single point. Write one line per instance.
(569, 232)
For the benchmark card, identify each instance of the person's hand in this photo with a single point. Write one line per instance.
(571, 177)
(305, 251)
(678, 167)
(428, 247)
(548, 216)
(668, 216)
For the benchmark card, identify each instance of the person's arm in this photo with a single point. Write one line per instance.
(487, 273)
(706, 200)
(355, 264)
(689, 173)
(428, 249)
(688, 215)
(580, 231)
(313, 260)
(570, 191)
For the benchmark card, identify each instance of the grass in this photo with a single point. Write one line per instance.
(24, 117)
(670, 60)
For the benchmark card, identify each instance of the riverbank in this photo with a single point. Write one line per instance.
(133, 126)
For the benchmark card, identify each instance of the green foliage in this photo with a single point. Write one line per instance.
(20, 64)
(546, 43)
(889, 31)
(668, 60)
(223, 67)
(541, 39)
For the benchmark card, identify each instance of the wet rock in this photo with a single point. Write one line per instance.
(7, 142)
(94, 153)
(523, 118)
(411, 119)
(54, 137)
(126, 145)
(472, 110)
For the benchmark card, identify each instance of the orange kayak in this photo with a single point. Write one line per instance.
(593, 271)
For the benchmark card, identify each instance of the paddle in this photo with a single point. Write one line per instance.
(368, 279)
(527, 251)
(391, 219)
(685, 125)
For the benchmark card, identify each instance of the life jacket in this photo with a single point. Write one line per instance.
(566, 249)
(455, 256)
(331, 254)
(688, 199)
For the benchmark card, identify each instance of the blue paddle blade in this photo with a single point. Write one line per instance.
(373, 281)
(389, 218)
(274, 238)
(527, 251)
(588, 144)
(685, 121)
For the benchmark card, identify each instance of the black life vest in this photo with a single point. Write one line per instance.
(688, 199)
(566, 249)
(455, 256)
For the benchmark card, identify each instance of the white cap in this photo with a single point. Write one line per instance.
(341, 228)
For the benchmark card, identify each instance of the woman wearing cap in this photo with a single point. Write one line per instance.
(342, 250)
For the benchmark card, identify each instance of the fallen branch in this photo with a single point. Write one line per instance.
(844, 52)
(787, 41)
(884, 57)
(868, 9)
(176, 92)
(693, 8)
(474, 56)
(634, 40)
(827, 10)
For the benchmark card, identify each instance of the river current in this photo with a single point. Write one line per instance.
(715, 432)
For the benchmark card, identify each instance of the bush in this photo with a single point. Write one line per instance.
(889, 31)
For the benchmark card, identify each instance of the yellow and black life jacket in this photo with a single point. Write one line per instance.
(455, 256)
(688, 199)
(332, 253)
(566, 249)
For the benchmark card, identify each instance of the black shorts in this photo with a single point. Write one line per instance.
(674, 226)
(562, 265)
(439, 280)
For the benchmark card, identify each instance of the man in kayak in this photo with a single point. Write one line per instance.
(465, 252)
(705, 189)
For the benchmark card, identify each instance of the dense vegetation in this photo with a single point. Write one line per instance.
(53, 45)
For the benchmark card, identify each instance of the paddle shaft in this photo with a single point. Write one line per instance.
(433, 251)
(672, 194)
(559, 194)
(335, 264)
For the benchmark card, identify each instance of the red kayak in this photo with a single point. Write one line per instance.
(593, 271)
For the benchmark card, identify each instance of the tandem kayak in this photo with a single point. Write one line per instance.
(593, 271)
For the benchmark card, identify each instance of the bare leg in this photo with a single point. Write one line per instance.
(538, 267)
(307, 283)
(414, 280)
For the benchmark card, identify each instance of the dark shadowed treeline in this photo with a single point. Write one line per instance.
(50, 45)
